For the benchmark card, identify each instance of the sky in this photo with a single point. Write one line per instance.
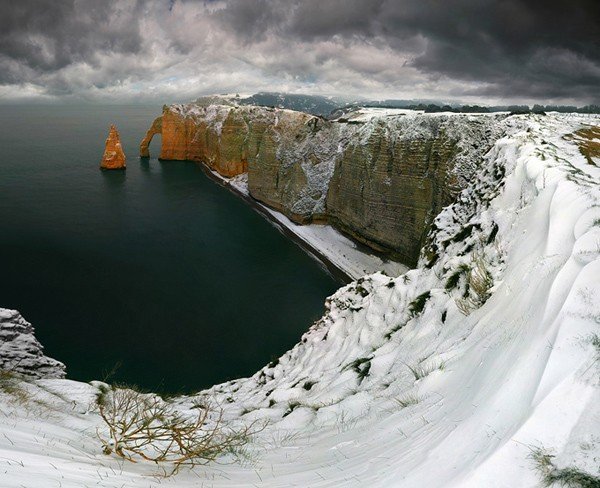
(474, 51)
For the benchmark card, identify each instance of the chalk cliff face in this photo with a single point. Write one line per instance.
(113, 157)
(396, 174)
(379, 176)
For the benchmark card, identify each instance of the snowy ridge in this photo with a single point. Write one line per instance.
(394, 385)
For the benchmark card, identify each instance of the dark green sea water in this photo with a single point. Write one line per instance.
(157, 269)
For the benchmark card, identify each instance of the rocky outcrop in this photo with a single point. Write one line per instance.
(114, 157)
(20, 352)
(379, 176)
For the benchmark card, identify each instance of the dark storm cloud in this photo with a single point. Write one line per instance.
(492, 49)
(541, 48)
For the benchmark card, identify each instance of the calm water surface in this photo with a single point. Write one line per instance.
(156, 273)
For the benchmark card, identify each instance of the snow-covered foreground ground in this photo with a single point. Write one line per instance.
(394, 385)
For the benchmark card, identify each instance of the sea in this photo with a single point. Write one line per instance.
(156, 276)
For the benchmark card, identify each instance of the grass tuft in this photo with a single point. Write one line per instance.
(479, 283)
(408, 400)
(570, 477)
(10, 384)
(595, 341)
(361, 366)
(454, 278)
(293, 405)
(422, 370)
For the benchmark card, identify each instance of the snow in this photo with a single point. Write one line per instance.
(517, 373)
(340, 250)
(365, 114)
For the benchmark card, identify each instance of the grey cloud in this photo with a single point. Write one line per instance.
(48, 35)
(545, 50)
(500, 43)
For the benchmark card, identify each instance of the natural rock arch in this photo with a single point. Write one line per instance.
(156, 128)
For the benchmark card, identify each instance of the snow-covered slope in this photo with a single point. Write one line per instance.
(396, 385)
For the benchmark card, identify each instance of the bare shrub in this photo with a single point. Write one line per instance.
(479, 283)
(145, 426)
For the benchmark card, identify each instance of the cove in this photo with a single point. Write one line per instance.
(155, 276)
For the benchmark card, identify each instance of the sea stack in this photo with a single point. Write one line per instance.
(114, 157)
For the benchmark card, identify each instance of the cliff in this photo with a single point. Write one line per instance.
(379, 176)
(113, 157)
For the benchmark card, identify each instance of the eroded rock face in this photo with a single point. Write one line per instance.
(114, 157)
(20, 352)
(379, 178)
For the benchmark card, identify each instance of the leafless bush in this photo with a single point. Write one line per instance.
(145, 426)
(479, 283)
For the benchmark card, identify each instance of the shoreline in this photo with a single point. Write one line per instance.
(336, 272)
(354, 259)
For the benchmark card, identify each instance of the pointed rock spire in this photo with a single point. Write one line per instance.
(114, 157)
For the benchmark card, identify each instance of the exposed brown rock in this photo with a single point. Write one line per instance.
(114, 157)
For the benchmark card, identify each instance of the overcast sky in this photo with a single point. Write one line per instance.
(489, 51)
